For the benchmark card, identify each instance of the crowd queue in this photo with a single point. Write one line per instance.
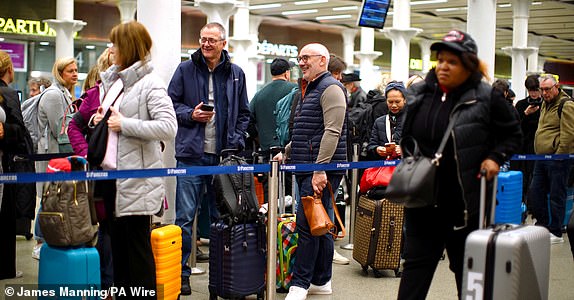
(206, 109)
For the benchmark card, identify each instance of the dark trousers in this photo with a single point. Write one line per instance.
(8, 235)
(314, 263)
(134, 265)
(549, 184)
(428, 232)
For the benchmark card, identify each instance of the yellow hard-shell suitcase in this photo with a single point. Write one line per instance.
(166, 246)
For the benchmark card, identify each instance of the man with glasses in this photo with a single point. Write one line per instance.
(210, 100)
(555, 135)
(319, 137)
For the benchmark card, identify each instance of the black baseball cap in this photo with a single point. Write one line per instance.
(280, 66)
(457, 41)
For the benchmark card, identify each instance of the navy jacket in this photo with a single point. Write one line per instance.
(309, 125)
(190, 85)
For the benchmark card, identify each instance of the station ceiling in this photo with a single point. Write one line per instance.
(551, 21)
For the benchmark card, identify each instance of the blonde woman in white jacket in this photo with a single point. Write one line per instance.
(142, 116)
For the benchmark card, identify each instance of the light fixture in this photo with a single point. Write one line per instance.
(536, 3)
(44, 43)
(504, 5)
(90, 47)
(428, 2)
(342, 8)
(1, 39)
(264, 6)
(308, 2)
(323, 18)
(299, 12)
(447, 9)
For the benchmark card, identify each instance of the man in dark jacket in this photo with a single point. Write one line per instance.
(529, 112)
(210, 100)
(352, 83)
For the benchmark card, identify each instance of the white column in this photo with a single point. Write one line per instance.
(481, 25)
(425, 55)
(253, 57)
(163, 22)
(127, 9)
(241, 40)
(401, 34)
(534, 42)
(367, 55)
(65, 27)
(218, 11)
(348, 45)
(519, 50)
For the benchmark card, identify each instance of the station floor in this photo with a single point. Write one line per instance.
(349, 282)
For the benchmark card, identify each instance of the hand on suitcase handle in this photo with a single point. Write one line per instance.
(490, 168)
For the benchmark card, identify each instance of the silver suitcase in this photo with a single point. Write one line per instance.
(505, 261)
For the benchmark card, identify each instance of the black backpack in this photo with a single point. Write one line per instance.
(235, 193)
(359, 124)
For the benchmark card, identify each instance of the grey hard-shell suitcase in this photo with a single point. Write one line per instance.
(506, 261)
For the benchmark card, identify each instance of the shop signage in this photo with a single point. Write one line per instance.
(265, 48)
(17, 52)
(28, 27)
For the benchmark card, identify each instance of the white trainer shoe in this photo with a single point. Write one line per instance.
(36, 251)
(324, 289)
(296, 293)
(339, 259)
(555, 239)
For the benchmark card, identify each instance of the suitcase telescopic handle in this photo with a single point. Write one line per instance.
(482, 222)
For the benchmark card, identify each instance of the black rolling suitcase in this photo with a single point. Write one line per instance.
(237, 242)
(237, 262)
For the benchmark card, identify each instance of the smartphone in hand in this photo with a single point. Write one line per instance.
(207, 107)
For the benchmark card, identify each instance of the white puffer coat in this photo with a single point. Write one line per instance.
(148, 118)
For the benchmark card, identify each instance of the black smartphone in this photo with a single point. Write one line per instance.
(207, 107)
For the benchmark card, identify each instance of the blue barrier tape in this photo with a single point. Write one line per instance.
(211, 170)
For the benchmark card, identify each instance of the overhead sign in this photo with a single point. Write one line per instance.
(23, 26)
(265, 48)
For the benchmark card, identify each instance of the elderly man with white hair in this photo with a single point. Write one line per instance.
(319, 137)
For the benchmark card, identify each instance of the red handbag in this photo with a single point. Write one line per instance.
(376, 177)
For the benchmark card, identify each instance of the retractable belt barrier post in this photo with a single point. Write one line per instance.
(272, 228)
(353, 192)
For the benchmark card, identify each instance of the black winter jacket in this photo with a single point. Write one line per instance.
(485, 127)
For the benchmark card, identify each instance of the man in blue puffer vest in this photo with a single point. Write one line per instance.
(318, 137)
(203, 131)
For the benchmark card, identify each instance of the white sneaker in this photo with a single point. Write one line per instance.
(36, 251)
(324, 289)
(339, 259)
(556, 240)
(296, 293)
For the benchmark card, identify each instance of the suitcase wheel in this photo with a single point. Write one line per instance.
(365, 270)
(377, 273)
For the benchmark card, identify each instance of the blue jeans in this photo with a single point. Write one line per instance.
(549, 183)
(314, 260)
(188, 195)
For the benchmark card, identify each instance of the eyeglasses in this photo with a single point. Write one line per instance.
(210, 41)
(546, 89)
(305, 58)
